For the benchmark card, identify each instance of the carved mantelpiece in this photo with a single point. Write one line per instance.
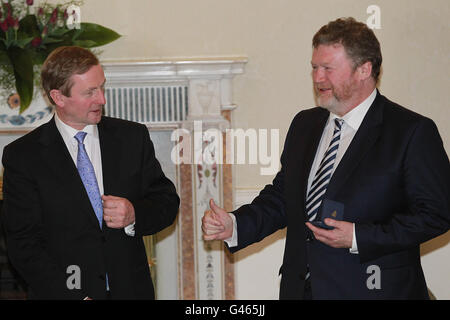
(208, 83)
(184, 94)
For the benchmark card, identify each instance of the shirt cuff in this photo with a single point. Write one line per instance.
(354, 248)
(233, 240)
(129, 230)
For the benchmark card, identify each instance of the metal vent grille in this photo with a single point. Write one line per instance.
(153, 104)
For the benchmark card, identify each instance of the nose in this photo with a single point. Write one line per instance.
(101, 97)
(318, 75)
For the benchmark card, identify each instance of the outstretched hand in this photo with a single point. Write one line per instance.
(216, 223)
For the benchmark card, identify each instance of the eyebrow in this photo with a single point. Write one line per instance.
(93, 88)
(326, 64)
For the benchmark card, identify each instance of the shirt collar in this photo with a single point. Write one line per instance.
(355, 117)
(69, 132)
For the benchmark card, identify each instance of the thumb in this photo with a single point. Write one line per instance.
(214, 207)
(331, 222)
(218, 212)
(109, 197)
(223, 217)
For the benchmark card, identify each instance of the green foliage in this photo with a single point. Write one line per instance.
(27, 39)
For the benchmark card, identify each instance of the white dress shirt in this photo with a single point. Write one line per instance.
(352, 121)
(92, 146)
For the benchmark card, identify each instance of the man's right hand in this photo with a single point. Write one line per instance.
(216, 223)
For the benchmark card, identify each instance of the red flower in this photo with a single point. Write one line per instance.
(10, 21)
(30, 2)
(4, 25)
(54, 16)
(36, 42)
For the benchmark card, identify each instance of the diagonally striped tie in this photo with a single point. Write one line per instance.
(323, 175)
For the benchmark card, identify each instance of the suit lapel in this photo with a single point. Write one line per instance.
(310, 150)
(362, 142)
(108, 147)
(303, 149)
(55, 153)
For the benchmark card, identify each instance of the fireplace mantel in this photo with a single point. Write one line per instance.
(184, 93)
(142, 72)
(172, 91)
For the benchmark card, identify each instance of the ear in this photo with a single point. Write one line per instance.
(58, 97)
(365, 70)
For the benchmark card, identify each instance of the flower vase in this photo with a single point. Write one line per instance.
(39, 112)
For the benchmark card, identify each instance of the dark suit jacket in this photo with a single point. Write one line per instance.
(394, 181)
(50, 224)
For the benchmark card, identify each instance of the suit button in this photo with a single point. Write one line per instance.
(309, 236)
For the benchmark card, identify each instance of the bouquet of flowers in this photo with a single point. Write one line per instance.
(28, 33)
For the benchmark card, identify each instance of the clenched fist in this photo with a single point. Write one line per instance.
(117, 212)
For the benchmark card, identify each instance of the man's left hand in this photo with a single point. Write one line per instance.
(340, 237)
(117, 212)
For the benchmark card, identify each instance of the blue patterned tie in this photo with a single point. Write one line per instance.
(87, 174)
(323, 175)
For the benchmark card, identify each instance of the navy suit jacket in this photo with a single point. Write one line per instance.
(50, 224)
(394, 181)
